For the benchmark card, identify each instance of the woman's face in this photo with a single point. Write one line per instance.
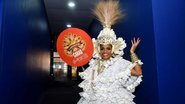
(105, 51)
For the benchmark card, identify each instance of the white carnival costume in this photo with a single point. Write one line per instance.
(108, 81)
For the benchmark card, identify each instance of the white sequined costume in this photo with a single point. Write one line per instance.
(113, 86)
(108, 81)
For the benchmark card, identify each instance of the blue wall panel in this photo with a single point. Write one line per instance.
(1, 13)
(138, 23)
(25, 51)
(169, 26)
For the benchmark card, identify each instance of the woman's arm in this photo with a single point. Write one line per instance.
(136, 71)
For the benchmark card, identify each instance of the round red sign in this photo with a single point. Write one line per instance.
(75, 47)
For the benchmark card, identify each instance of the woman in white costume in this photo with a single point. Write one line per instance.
(110, 79)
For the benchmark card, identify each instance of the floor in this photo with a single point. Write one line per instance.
(61, 93)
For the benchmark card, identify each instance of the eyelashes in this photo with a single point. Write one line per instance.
(106, 48)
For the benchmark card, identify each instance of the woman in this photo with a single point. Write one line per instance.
(110, 79)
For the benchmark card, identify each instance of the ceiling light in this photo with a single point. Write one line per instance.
(71, 4)
(68, 25)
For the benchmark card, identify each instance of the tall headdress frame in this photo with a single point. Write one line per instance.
(108, 12)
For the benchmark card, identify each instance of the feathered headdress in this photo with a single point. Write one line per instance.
(108, 13)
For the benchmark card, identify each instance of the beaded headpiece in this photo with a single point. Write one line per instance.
(108, 13)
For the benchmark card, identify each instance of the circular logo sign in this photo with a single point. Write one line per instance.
(75, 47)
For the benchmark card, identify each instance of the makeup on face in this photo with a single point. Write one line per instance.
(105, 51)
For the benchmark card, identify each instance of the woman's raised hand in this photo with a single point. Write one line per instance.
(135, 43)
